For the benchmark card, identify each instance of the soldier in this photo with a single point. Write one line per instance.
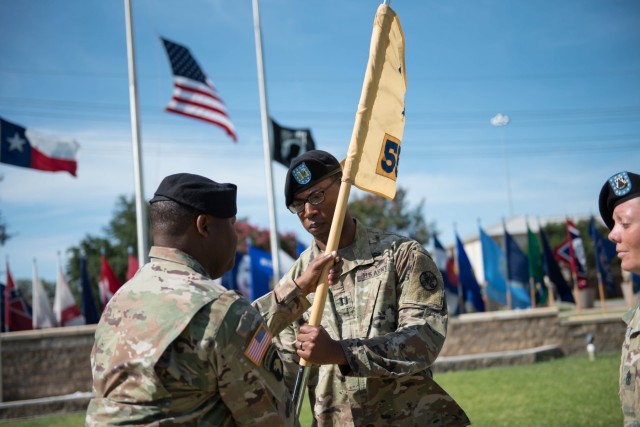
(173, 346)
(384, 322)
(620, 210)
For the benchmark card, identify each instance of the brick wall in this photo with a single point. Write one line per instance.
(55, 362)
(48, 362)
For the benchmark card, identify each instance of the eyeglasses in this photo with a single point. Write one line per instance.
(314, 198)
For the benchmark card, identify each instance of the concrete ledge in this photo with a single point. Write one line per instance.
(499, 358)
(74, 402)
(489, 316)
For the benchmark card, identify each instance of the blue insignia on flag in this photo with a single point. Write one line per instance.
(258, 345)
(620, 184)
(301, 174)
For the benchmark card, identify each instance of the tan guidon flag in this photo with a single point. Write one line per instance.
(374, 150)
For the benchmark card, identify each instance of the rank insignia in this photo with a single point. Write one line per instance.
(620, 184)
(301, 174)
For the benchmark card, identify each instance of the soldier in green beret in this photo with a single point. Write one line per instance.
(384, 322)
(620, 209)
(173, 347)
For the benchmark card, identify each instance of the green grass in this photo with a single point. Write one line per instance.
(566, 392)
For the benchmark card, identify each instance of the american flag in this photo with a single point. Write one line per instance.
(259, 344)
(194, 95)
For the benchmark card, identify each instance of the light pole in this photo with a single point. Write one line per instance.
(500, 121)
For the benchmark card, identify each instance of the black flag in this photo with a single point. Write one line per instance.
(289, 143)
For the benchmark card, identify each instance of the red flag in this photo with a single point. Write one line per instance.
(571, 253)
(17, 313)
(133, 266)
(194, 95)
(108, 283)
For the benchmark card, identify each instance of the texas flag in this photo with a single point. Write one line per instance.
(28, 149)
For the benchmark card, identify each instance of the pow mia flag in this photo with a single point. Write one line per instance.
(289, 143)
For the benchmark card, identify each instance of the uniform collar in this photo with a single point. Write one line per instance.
(357, 253)
(178, 257)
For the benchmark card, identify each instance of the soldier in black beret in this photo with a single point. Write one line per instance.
(389, 285)
(172, 344)
(620, 210)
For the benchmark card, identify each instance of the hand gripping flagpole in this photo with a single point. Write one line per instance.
(374, 149)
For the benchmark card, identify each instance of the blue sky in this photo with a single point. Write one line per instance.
(566, 73)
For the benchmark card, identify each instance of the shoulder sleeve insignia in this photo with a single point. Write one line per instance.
(258, 345)
(428, 281)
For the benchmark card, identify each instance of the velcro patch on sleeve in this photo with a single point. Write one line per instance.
(258, 345)
(425, 283)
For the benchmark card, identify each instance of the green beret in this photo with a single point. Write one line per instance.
(199, 193)
(619, 188)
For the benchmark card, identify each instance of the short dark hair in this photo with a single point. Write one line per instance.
(171, 218)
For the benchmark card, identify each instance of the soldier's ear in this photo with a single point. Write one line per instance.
(202, 224)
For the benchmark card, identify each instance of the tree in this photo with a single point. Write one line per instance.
(4, 234)
(392, 215)
(120, 235)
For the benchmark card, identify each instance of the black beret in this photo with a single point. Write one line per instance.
(307, 170)
(619, 188)
(199, 193)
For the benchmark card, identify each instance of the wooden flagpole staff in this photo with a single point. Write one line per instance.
(372, 159)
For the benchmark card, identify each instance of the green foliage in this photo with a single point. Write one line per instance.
(261, 238)
(392, 215)
(4, 234)
(120, 234)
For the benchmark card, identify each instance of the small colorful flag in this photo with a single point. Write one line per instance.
(17, 312)
(258, 345)
(108, 282)
(64, 304)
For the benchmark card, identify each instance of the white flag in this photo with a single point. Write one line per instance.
(42, 313)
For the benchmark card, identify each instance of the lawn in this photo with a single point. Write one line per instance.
(566, 392)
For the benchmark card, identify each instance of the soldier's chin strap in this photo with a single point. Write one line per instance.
(320, 297)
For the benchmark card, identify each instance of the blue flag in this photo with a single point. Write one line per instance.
(467, 278)
(300, 247)
(604, 250)
(517, 273)
(89, 310)
(261, 272)
(552, 270)
(495, 268)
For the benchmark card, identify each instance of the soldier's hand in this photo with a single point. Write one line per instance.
(308, 281)
(316, 346)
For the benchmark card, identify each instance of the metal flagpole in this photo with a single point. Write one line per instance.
(141, 207)
(275, 247)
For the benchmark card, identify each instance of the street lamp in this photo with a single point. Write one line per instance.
(500, 121)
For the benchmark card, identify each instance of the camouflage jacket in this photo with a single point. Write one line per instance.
(172, 347)
(629, 370)
(389, 312)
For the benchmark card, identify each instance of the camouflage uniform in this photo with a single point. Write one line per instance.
(172, 347)
(629, 374)
(389, 312)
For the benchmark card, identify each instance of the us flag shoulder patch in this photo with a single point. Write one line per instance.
(258, 345)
